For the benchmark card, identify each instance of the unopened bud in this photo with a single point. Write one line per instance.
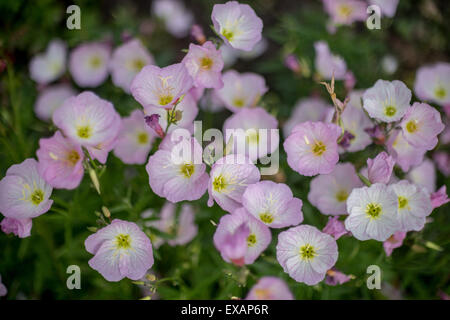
(106, 212)
(94, 179)
(153, 122)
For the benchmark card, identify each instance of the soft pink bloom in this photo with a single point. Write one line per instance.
(161, 87)
(89, 64)
(327, 64)
(335, 228)
(388, 7)
(89, 121)
(387, 101)
(237, 24)
(211, 102)
(19, 227)
(273, 204)
(421, 125)
(50, 65)
(153, 122)
(379, 169)
(307, 109)
(394, 241)
(349, 81)
(230, 176)
(175, 177)
(439, 198)
(312, 148)
(424, 175)
(126, 61)
(259, 48)
(50, 99)
(198, 34)
(183, 229)
(444, 137)
(135, 139)
(270, 288)
(292, 63)
(60, 162)
(23, 192)
(405, 155)
(3, 290)
(433, 83)
(356, 122)
(204, 63)
(241, 238)
(176, 17)
(335, 277)
(197, 93)
(183, 117)
(241, 90)
(121, 250)
(254, 132)
(346, 11)
(306, 254)
(442, 160)
(329, 192)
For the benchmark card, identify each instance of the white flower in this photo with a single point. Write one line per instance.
(49, 66)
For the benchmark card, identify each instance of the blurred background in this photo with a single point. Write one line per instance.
(35, 267)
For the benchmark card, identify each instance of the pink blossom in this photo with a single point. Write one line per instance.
(153, 122)
(240, 238)
(135, 139)
(327, 64)
(198, 34)
(346, 11)
(24, 193)
(292, 63)
(404, 154)
(175, 16)
(161, 87)
(312, 148)
(388, 7)
(421, 125)
(126, 61)
(394, 241)
(273, 204)
(380, 168)
(60, 162)
(439, 198)
(89, 63)
(424, 175)
(89, 121)
(237, 24)
(355, 122)
(442, 160)
(19, 227)
(270, 288)
(50, 65)
(121, 250)
(335, 277)
(433, 83)
(50, 99)
(335, 228)
(204, 63)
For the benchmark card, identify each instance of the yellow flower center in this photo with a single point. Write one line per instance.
(411, 126)
(307, 252)
(440, 92)
(138, 64)
(402, 202)
(123, 241)
(165, 99)
(95, 62)
(228, 34)
(251, 240)
(37, 197)
(262, 294)
(206, 63)
(142, 138)
(390, 111)
(341, 196)
(252, 136)
(187, 170)
(319, 148)
(73, 157)
(345, 10)
(373, 210)
(84, 132)
(238, 102)
(266, 217)
(219, 183)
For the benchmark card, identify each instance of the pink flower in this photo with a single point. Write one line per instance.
(327, 64)
(307, 109)
(198, 34)
(433, 83)
(388, 7)
(335, 228)
(270, 288)
(240, 238)
(230, 176)
(50, 99)
(346, 11)
(273, 204)
(19, 227)
(356, 122)
(24, 193)
(153, 122)
(405, 155)
(252, 132)
(380, 168)
(135, 139)
(178, 178)
(183, 117)
(161, 87)
(306, 254)
(60, 162)
(335, 277)
(204, 63)
(89, 121)
(424, 175)
(177, 19)
(439, 198)
(89, 63)
(237, 24)
(312, 148)
(394, 241)
(421, 125)
(329, 192)
(126, 61)
(3, 290)
(292, 63)
(442, 160)
(241, 90)
(49, 66)
(120, 250)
